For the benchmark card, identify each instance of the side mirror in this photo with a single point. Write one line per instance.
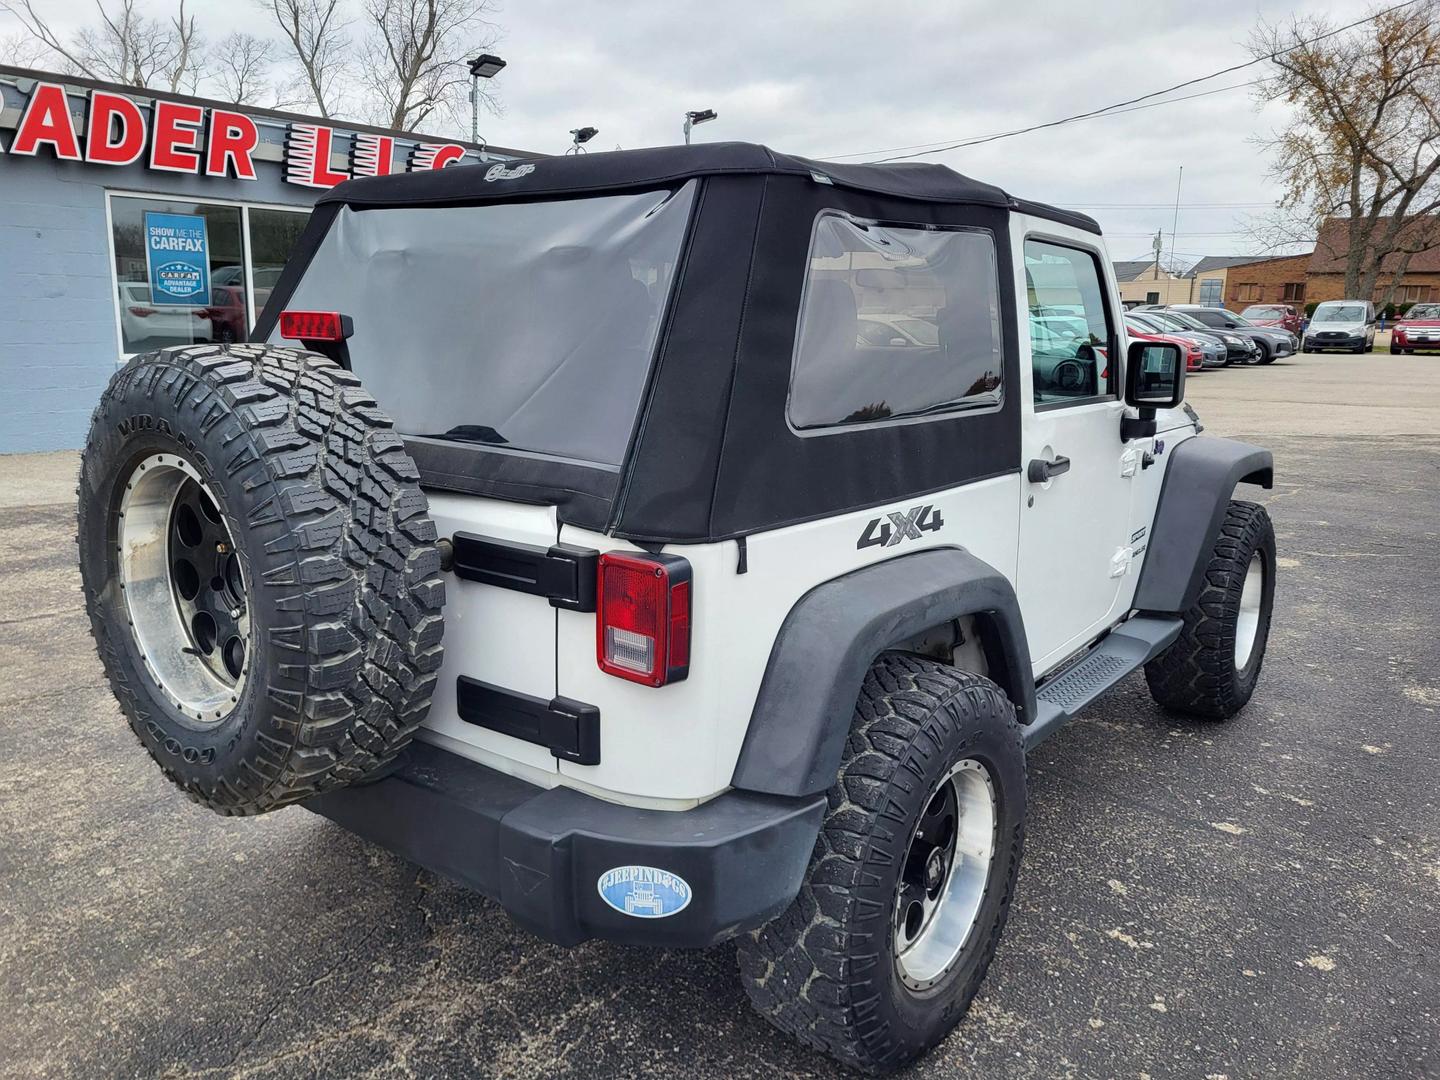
(1154, 375)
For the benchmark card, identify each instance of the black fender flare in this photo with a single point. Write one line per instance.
(833, 634)
(1199, 483)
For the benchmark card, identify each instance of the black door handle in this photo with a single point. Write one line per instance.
(1041, 470)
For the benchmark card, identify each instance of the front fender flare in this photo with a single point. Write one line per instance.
(1198, 485)
(832, 635)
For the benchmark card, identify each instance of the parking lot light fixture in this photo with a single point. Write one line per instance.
(697, 116)
(484, 66)
(581, 136)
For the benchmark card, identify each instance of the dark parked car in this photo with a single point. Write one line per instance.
(1282, 315)
(1239, 349)
(1272, 341)
(1418, 328)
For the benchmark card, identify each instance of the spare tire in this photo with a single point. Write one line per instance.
(260, 570)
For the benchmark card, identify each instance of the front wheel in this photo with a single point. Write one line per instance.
(1212, 668)
(912, 876)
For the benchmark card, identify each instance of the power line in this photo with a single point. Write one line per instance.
(1121, 106)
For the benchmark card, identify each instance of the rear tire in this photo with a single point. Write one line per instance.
(1212, 668)
(852, 967)
(271, 474)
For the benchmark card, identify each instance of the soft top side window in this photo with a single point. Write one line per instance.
(896, 321)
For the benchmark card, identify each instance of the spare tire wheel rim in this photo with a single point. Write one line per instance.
(944, 875)
(185, 588)
(1247, 618)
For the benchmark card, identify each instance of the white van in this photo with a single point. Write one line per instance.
(1341, 324)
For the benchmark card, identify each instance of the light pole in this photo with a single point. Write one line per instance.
(698, 116)
(582, 135)
(484, 66)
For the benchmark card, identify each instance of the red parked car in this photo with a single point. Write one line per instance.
(1417, 329)
(1194, 358)
(1281, 315)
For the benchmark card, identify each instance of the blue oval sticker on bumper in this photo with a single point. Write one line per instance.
(644, 892)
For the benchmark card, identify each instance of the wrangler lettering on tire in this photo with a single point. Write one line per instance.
(260, 571)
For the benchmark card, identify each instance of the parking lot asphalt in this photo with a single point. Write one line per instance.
(1251, 899)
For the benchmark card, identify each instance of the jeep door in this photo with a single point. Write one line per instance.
(1075, 492)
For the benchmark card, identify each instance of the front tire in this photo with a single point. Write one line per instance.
(1212, 668)
(891, 934)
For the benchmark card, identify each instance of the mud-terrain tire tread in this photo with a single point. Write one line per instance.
(807, 971)
(1196, 675)
(355, 569)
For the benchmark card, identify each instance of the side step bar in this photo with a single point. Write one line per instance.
(1117, 654)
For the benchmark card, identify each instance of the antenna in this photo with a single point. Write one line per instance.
(1175, 223)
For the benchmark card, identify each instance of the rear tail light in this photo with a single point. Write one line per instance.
(315, 326)
(142, 312)
(642, 620)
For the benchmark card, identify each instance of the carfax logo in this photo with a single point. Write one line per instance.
(895, 526)
(502, 172)
(644, 891)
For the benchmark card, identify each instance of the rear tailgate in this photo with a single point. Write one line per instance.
(499, 636)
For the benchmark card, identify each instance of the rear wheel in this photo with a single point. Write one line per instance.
(1212, 668)
(913, 871)
(260, 572)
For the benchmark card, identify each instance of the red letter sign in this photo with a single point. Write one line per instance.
(233, 138)
(372, 155)
(47, 120)
(435, 156)
(176, 143)
(307, 156)
(105, 110)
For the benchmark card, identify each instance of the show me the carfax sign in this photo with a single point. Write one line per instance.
(183, 137)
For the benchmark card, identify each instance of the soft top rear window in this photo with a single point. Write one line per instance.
(526, 326)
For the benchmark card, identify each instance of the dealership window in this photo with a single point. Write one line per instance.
(188, 272)
(1247, 291)
(896, 321)
(1210, 289)
(1294, 292)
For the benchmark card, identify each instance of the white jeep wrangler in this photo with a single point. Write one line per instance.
(764, 535)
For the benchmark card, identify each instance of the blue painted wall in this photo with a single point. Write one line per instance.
(58, 341)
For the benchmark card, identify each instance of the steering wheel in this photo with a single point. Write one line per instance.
(1071, 376)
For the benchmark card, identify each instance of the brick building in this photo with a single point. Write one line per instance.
(1278, 280)
(1319, 275)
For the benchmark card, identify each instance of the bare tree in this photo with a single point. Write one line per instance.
(185, 68)
(1364, 141)
(23, 50)
(240, 68)
(316, 31)
(126, 46)
(415, 57)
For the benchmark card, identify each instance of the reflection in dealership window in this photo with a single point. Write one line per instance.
(148, 321)
(895, 322)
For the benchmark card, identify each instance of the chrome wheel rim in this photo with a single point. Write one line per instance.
(1247, 620)
(185, 587)
(943, 878)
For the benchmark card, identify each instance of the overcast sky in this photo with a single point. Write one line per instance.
(834, 78)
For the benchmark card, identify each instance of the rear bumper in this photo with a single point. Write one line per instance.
(540, 853)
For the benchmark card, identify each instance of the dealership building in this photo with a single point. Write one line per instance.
(132, 220)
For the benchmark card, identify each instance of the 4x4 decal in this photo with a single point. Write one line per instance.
(907, 526)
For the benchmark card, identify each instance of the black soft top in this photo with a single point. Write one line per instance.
(662, 165)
